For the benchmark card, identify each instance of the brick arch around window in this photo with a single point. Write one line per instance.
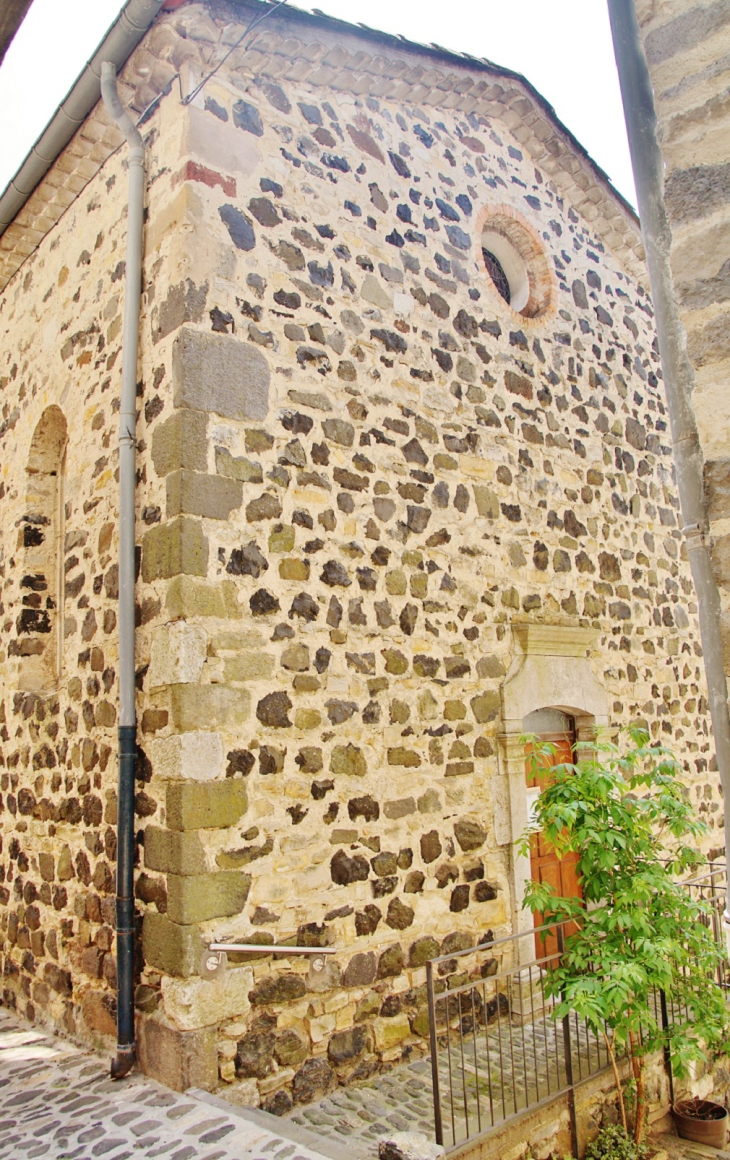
(40, 621)
(550, 670)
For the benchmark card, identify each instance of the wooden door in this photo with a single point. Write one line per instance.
(545, 865)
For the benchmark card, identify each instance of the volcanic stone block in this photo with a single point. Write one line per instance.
(314, 1080)
(170, 947)
(486, 706)
(188, 598)
(266, 507)
(234, 467)
(390, 962)
(469, 834)
(176, 547)
(390, 1032)
(422, 950)
(347, 1044)
(345, 870)
(205, 805)
(181, 441)
(198, 897)
(399, 916)
(178, 1059)
(195, 707)
(255, 1054)
(290, 1049)
(348, 759)
(196, 755)
(273, 710)
(360, 970)
(430, 846)
(192, 493)
(177, 654)
(218, 373)
(278, 989)
(487, 502)
(173, 851)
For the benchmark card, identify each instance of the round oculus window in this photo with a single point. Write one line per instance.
(516, 264)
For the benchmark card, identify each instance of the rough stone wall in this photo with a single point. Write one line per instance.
(61, 322)
(687, 51)
(357, 466)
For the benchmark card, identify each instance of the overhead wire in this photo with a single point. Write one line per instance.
(253, 24)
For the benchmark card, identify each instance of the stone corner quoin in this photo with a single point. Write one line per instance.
(358, 468)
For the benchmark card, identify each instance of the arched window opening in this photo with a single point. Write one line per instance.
(40, 622)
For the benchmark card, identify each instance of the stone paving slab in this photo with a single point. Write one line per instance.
(58, 1102)
(677, 1149)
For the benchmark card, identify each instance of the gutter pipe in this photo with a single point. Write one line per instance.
(127, 469)
(648, 166)
(124, 35)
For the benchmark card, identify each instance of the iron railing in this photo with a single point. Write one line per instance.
(497, 1049)
(710, 888)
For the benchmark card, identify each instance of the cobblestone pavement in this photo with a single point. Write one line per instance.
(58, 1102)
(516, 1065)
(363, 1114)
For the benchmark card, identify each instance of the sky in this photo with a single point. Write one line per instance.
(563, 47)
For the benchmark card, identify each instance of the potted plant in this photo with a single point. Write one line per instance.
(637, 931)
(703, 1121)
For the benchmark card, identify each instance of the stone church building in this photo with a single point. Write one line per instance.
(404, 489)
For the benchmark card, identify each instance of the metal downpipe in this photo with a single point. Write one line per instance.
(122, 38)
(127, 468)
(648, 167)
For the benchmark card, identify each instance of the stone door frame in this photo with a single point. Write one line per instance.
(550, 670)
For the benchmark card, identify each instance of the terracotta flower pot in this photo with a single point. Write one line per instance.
(702, 1121)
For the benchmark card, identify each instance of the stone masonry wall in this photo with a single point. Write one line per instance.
(687, 51)
(61, 320)
(357, 467)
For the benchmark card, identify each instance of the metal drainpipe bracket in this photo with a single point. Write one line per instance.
(694, 536)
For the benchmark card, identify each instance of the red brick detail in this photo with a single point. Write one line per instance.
(193, 171)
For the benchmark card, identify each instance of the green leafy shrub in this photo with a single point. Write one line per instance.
(639, 931)
(612, 1143)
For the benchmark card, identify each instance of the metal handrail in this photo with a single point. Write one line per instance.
(508, 938)
(272, 949)
(721, 869)
(214, 958)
